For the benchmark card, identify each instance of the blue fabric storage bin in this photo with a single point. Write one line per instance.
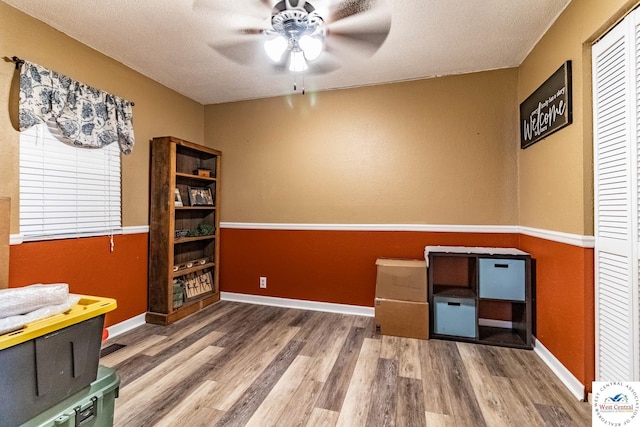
(454, 316)
(502, 279)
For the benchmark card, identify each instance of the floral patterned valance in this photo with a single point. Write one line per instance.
(83, 116)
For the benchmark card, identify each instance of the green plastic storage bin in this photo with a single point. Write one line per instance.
(91, 407)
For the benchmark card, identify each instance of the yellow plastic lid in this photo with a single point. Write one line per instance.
(86, 308)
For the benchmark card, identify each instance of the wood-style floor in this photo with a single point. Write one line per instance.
(237, 364)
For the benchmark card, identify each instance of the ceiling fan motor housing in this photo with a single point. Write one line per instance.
(295, 18)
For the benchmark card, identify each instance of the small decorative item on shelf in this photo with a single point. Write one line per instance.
(182, 233)
(202, 230)
(190, 264)
(177, 198)
(178, 293)
(202, 172)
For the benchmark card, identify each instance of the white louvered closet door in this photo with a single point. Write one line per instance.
(616, 162)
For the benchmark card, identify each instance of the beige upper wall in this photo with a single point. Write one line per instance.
(432, 151)
(158, 111)
(438, 151)
(556, 174)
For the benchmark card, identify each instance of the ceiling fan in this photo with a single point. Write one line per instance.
(314, 37)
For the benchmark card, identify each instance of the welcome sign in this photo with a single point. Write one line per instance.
(548, 109)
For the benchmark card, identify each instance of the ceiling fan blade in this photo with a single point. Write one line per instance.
(361, 34)
(258, 9)
(342, 9)
(249, 31)
(375, 19)
(249, 51)
(325, 64)
(361, 45)
(246, 51)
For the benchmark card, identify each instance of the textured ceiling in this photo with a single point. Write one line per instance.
(170, 41)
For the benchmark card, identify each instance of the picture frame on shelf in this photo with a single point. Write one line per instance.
(200, 196)
(205, 280)
(177, 198)
(191, 286)
(197, 283)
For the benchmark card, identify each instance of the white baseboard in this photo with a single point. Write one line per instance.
(126, 325)
(495, 323)
(355, 310)
(567, 378)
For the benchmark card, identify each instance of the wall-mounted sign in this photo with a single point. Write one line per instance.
(548, 109)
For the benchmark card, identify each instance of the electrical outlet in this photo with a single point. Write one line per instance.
(263, 282)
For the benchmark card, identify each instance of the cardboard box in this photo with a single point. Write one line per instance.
(401, 279)
(407, 319)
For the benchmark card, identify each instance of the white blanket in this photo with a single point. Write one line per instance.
(24, 300)
(19, 306)
(14, 323)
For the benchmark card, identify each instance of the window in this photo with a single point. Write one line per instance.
(67, 191)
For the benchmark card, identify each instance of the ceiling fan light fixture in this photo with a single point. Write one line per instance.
(297, 63)
(276, 47)
(299, 29)
(312, 47)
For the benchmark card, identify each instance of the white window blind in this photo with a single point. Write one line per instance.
(67, 191)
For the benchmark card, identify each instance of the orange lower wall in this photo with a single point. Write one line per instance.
(325, 266)
(89, 268)
(565, 303)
